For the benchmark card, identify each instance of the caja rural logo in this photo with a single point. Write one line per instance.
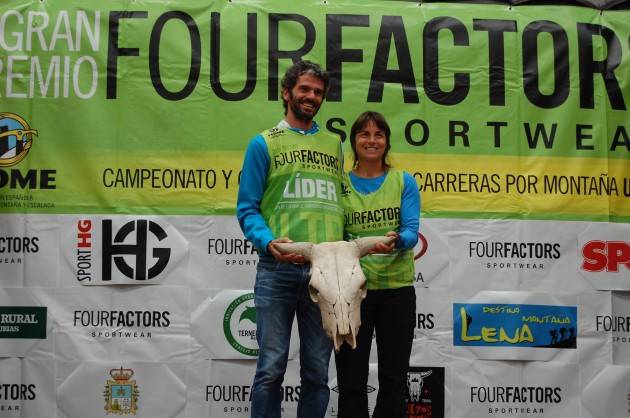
(16, 139)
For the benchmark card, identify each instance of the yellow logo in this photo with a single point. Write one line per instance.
(16, 138)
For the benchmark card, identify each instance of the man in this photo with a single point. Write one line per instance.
(290, 191)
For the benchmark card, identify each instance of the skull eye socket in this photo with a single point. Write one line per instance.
(313, 293)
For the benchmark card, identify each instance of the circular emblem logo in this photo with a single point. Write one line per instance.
(239, 325)
(15, 139)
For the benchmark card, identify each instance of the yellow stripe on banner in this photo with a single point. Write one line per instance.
(155, 182)
(521, 187)
(454, 186)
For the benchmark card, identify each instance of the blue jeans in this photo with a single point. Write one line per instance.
(281, 293)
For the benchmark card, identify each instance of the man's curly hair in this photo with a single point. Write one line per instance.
(301, 68)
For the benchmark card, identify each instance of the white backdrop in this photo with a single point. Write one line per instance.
(190, 341)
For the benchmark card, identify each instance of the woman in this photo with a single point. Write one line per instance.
(379, 200)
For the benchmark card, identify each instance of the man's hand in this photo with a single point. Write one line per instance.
(285, 258)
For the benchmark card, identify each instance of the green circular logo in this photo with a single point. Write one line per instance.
(239, 325)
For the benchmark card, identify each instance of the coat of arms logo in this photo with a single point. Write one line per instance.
(121, 394)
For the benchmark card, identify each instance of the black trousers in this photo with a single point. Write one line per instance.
(391, 314)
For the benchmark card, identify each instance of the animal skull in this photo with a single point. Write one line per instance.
(337, 283)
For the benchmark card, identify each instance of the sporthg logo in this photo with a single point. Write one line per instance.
(131, 249)
(117, 247)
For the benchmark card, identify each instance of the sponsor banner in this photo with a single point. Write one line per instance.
(26, 322)
(513, 120)
(595, 345)
(425, 397)
(604, 256)
(223, 325)
(605, 391)
(220, 388)
(431, 256)
(27, 388)
(23, 322)
(611, 323)
(618, 323)
(139, 389)
(521, 187)
(515, 255)
(111, 250)
(29, 250)
(220, 257)
(433, 335)
(426, 388)
(223, 388)
(134, 323)
(516, 325)
(515, 389)
(487, 123)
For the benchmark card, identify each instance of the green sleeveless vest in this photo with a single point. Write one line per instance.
(302, 197)
(375, 214)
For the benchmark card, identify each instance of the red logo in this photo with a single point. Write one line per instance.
(605, 256)
(425, 246)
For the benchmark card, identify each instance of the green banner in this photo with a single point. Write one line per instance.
(23, 322)
(146, 108)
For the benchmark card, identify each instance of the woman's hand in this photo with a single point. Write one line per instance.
(384, 248)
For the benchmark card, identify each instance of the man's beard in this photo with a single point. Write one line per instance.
(297, 111)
